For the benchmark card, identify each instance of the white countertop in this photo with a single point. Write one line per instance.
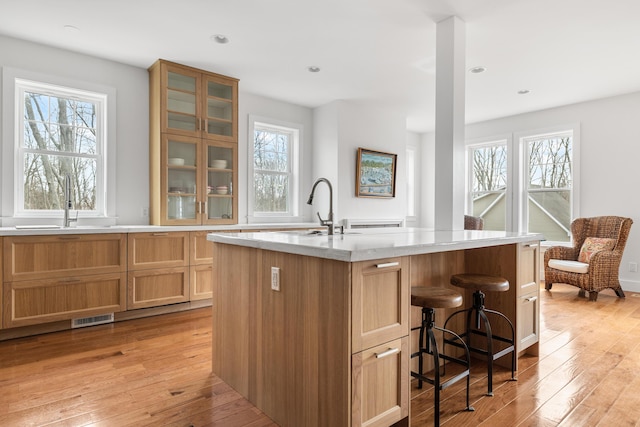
(98, 229)
(372, 243)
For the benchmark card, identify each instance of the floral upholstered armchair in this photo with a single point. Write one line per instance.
(593, 263)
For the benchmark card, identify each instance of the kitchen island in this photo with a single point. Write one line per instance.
(315, 330)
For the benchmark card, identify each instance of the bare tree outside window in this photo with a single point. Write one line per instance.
(489, 184)
(271, 156)
(550, 185)
(59, 138)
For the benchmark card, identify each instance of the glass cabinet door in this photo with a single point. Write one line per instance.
(182, 113)
(220, 108)
(181, 182)
(221, 181)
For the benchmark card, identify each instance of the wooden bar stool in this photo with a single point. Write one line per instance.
(481, 283)
(430, 298)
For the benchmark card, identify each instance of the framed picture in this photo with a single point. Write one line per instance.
(375, 174)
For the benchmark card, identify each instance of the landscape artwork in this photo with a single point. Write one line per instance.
(375, 174)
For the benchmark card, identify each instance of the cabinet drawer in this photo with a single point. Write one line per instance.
(46, 257)
(528, 268)
(40, 301)
(528, 321)
(380, 301)
(158, 250)
(150, 288)
(380, 384)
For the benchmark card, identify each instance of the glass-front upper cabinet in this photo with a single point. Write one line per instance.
(221, 108)
(221, 178)
(181, 180)
(193, 137)
(198, 104)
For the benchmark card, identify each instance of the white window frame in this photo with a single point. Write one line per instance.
(99, 100)
(518, 169)
(295, 155)
(523, 139)
(483, 143)
(14, 82)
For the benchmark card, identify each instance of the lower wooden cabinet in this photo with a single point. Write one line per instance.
(528, 322)
(150, 288)
(32, 302)
(380, 384)
(201, 282)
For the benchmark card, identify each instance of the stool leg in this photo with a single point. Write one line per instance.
(512, 341)
(487, 326)
(423, 332)
(436, 385)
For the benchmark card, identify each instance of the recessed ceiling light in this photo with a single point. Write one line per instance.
(524, 92)
(477, 70)
(219, 38)
(71, 29)
(313, 69)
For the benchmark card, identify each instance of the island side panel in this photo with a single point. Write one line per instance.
(234, 316)
(303, 369)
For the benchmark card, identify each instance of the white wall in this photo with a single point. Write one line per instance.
(282, 112)
(609, 152)
(342, 127)
(132, 118)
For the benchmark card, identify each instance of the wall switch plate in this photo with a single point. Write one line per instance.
(633, 267)
(275, 278)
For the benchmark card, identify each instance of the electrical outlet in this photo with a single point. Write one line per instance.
(275, 278)
(633, 267)
(145, 212)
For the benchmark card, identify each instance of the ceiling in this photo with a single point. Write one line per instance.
(562, 51)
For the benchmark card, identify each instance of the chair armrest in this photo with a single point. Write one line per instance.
(605, 261)
(560, 252)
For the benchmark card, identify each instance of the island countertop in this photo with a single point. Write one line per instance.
(373, 243)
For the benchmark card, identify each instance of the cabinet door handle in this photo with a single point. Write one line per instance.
(387, 353)
(531, 299)
(387, 264)
(160, 234)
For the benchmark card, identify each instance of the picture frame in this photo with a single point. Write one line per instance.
(375, 174)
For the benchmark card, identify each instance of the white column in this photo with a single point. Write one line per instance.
(449, 133)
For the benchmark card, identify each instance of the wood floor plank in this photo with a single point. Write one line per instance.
(157, 372)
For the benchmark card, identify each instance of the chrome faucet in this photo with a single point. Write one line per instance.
(329, 221)
(68, 204)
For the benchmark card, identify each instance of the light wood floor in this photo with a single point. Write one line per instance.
(157, 371)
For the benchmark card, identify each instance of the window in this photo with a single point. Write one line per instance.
(274, 168)
(487, 197)
(549, 185)
(60, 131)
(536, 194)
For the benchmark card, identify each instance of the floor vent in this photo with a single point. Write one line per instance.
(91, 321)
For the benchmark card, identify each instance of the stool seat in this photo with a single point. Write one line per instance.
(435, 297)
(480, 282)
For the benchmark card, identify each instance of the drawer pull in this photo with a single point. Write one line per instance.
(387, 353)
(531, 299)
(387, 264)
(70, 280)
(159, 234)
(69, 237)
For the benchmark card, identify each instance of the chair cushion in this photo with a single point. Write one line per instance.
(570, 266)
(592, 245)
